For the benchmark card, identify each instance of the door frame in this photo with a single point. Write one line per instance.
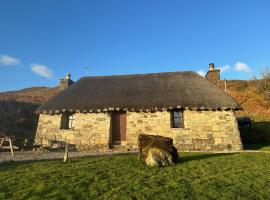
(121, 118)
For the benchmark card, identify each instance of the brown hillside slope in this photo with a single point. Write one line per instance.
(17, 110)
(30, 95)
(246, 93)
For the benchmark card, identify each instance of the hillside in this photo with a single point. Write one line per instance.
(17, 109)
(247, 95)
(36, 95)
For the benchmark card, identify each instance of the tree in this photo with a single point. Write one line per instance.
(264, 85)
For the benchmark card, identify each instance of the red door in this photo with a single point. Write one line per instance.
(119, 126)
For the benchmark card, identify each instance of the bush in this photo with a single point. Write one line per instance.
(264, 85)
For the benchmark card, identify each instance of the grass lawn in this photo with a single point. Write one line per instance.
(195, 176)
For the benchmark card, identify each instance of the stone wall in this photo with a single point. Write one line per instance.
(203, 130)
(91, 131)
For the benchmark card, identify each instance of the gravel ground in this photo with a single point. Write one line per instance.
(32, 156)
(5, 157)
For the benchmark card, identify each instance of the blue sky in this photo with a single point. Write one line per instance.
(41, 41)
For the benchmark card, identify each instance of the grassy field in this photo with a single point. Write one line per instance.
(194, 176)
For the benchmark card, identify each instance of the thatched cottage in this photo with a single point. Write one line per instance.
(107, 111)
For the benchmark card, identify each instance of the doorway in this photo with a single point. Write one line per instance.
(119, 122)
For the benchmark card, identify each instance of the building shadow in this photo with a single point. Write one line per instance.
(200, 156)
(257, 136)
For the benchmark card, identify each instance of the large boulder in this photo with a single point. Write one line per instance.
(158, 157)
(157, 147)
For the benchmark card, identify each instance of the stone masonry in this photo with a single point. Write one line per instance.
(91, 131)
(203, 130)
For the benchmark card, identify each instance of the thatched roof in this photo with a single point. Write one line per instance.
(159, 91)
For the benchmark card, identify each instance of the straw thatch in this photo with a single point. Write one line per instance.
(140, 92)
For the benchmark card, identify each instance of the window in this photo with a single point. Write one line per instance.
(177, 119)
(67, 120)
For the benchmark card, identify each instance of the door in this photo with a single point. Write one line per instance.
(119, 127)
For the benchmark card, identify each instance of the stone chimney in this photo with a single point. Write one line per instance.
(65, 82)
(213, 75)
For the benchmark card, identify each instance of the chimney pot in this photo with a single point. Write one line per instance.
(211, 67)
(68, 76)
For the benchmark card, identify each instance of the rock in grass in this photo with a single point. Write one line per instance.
(164, 144)
(158, 157)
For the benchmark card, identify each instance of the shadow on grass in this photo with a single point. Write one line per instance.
(256, 137)
(257, 146)
(200, 156)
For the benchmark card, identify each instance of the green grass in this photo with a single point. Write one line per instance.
(194, 176)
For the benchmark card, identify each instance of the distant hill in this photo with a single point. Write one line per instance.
(30, 95)
(17, 109)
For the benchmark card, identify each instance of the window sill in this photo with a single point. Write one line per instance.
(180, 128)
(68, 129)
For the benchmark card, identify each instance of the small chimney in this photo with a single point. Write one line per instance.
(68, 76)
(213, 75)
(65, 82)
(211, 67)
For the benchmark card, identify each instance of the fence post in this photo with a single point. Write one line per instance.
(66, 153)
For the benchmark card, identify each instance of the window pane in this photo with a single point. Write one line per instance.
(177, 120)
(176, 125)
(181, 123)
(180, 114)
(70, 124)
(70, 121)
(176, 114)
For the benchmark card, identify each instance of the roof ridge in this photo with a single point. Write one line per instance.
(136, 75)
